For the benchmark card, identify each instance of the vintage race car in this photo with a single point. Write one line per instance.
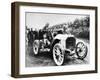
(59, 45)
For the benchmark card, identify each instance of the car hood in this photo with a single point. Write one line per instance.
(63, 36)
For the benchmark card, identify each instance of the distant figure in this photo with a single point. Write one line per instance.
(46, 26)
(64, 29)
(30, 37)
(35, 34)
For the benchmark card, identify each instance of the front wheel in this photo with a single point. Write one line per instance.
(58, 54)
(81, 50)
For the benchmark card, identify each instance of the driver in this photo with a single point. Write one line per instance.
(45, 40)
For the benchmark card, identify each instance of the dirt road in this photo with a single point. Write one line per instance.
(45, 59)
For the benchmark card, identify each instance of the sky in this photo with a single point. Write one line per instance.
(38, 20)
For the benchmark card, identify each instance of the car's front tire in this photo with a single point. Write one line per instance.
(36, 47)
(58, 54)
(81, 50)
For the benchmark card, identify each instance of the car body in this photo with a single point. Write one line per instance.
(58, 44)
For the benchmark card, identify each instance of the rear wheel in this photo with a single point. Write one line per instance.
(58, 54)
(81, 50)
(36, 47)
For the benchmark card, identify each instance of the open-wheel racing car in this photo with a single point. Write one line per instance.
(58, 44)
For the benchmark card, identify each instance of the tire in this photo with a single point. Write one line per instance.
(36, 47)
(81, 50)
(58, 55)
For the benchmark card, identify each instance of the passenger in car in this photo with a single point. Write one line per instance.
(45, 40)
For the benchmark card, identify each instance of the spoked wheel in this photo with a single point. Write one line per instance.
(36, 47)
(81, 50)
(58, 55)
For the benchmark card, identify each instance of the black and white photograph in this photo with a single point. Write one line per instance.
(52, 39)
(56, 39)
